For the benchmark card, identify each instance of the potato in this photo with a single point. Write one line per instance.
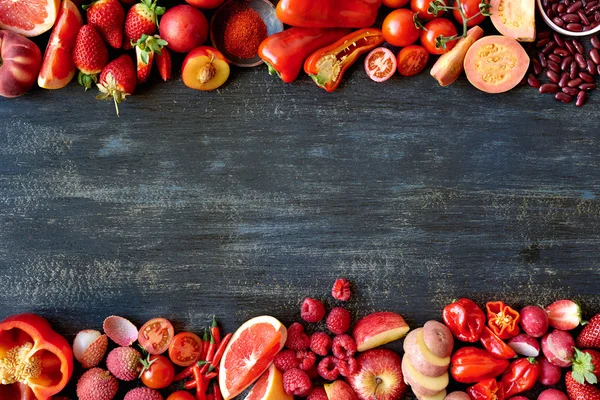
(440, 396)
(423, 384)
(421, 357)
(438, 338)
(458, 396)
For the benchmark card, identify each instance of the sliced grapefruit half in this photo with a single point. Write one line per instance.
(269, 387)
(28, 17)
(249, 354)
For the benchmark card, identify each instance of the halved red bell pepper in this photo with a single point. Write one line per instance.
(521, 375)
(465, 320)
(327, 66)
(328, 13)
(285, 52)
(488, 389)
(35, 361)
(496, 346)
(470, 365)
(502, 320)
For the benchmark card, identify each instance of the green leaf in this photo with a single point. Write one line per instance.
(160, 10)
(144, 57)
(578, 376)
(590, 377)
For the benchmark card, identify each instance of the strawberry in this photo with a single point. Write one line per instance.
(564, 315)
(107, 16)
(90, 55)
(117, 80)
(590, 335)
(164, 63)
(586, 366)
(141, 19)
(578, 391)
(145, 48)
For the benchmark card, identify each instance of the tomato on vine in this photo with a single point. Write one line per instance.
(423, 9)
(439, 36)
(472, 11)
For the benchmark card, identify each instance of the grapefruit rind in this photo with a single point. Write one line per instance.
(272, 389)
(51, 11)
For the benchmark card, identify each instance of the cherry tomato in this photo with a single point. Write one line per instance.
(181, 395)
(435, 28)
(185, 349)
(421, 7)
(412, 60)
(156, 335)
(395, 3)
(159, 374)
(380, 64)
(470, 8)
(399, 28)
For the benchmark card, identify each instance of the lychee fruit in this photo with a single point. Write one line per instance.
(124, 363)
(89, 347)
(120, 330)
(143, 393)
(97, 384)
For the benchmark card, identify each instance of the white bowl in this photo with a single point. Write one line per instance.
(562, 30)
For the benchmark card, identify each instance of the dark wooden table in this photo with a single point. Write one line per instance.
(243, 201)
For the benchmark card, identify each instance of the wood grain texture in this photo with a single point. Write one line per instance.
(243, 201)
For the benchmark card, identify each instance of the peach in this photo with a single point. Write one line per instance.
(421, 357)
(204, 68)
(20, 63)
(379, 376)
(377, 329)
(339, 390)
(184, 28)
(423, 384)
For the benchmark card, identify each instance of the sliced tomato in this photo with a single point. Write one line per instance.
(380, 64)
(156, 335)
(185, 349)
(412, 60)
(514, 18)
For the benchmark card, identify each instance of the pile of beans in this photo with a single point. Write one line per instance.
(563, 61)
(575, 16)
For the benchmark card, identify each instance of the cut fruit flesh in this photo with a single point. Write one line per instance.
(514, 18)
(28, 17)
(429, 356)
(434, 384)
(269, 387)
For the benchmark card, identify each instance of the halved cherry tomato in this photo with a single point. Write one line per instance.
(158, 373)
(181, 395)
(395, 3)
(470, 8)
(421, 7)
(438, 27)
(185, 349)
(412, 60)
(156, 335)
(399, 28)
(380, 64)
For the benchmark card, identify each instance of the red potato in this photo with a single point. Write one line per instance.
(440, 396)
(525, 345)
(458, 396)
(20, 63)
(559, 348)
(421, 384)
(550, 374)
(438, 338)
(552, 394)
(421, 357)
(534, 321)
(184, 28)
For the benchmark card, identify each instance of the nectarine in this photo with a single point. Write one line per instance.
(204, 68)
(184, 28)
(20, 62)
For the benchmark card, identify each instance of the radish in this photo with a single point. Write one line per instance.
(559, 348)
(525, 345)
(552, 394)
(549, 374)
(534, 321)
(564, 315)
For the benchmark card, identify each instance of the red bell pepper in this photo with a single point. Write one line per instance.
(488, 389)
(521, 375)
(502, 320)
(496, 346)
(327, 66)
(470, 365)
(328, 13)
(285, 52)
(35, 361)
(465, 319)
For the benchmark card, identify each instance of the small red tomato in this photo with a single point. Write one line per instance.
(395, 3)
(412, 60)
(156, 335)
(399, 28)
(421, 7)
(470, 8)
(158, 373)
(433, 30)
(380, 64)
(181, 395)
(185, 349)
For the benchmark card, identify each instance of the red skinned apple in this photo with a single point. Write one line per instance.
(339, 390)
(184, 28)
(20, 62)
(379, 376)
(377, 329)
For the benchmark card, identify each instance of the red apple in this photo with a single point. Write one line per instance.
(379, 376)
(377, 329)
(184, 28)
(339, 390)
(20, 62)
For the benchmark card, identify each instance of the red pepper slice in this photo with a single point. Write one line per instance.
(496, 346)
(521, 375)
(488, 389)
(34, 359)
(470, 365)
(328, 13)
(465, 319)
(502, 320)
(327, 65)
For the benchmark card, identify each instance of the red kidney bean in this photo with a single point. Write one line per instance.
(591, 67)
(587, 86)
(574, 82)
(570, 91)
(567, 3)
(549, 88)
(544, 34)
(561, 8)
(586, 77)
(561, 51)
(558, 21)
(570, 47)
(548, 48)
(565, 98)
(578, 46)
(555, 58)
(583, 18)
(568, 18)
(580, 61)
(575, 6)
(573, 27)
(595, 42)
(595, 56)
(552, 76)
(558, 39)
(537, 68)
(564, 79)
(533, 81)
(597, 16)
(565, 63)
(542, 42)
(553, 66)
(581, 98)
(543, 61)
(574, 70)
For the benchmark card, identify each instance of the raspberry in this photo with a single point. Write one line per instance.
(312, 310)
(286, 360)
(296, 382)
(317, 393)
(341, 290)
(347, 367)
(328, 368)
(307, 359)
(343, 347)
(297, 339)
(320, 343)
(338, 320)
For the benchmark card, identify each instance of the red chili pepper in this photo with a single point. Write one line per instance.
(200, 390)
(285, 52)
(206, 344)
(465, 319)
(470, 365)
(210, 376)
(214, 331)
(189, 385)
(217, 392)
(221, 349)
(210, 396)
(521, 375)
(495, 346)
(502, 320)
(327, 66)
(488, 389)
(328, 13)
